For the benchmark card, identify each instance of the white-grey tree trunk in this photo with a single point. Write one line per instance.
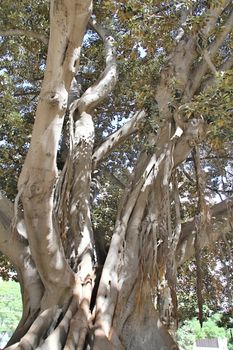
(54, 246)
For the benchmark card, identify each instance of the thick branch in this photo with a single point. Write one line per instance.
(212, 81)
(204, 65)
(213, 14)
(220, 223)
(37, 180)
(17, 251)
(27, 33)
(118, 137)
(194, 132)
(107, 80)
(9, 246)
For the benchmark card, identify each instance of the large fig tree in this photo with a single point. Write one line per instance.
(81, 290)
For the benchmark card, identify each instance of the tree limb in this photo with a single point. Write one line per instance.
(9, 247)
(208, 54)
(38, 176)
(212, 81)
(113, 178)
(213, 14)
(26, 93)
(220, 223)
(22, 32)
(107, 80)
(118, 137)
(17, 251)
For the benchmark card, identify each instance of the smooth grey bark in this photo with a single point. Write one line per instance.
(135, 217)
(146, 247)
(15, 246)
(219, 224)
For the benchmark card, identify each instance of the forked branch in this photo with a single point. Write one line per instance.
(208, 55)
(118, 137)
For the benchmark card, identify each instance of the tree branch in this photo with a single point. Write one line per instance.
(17, 251)
(107, 80)
(213, 14)
(220, 223)
(27, 33)
(193, 133)
(9, 245)
(210, 82)
(26, 93)
(208, 54)
(38, 176)
(118, 137)
(114, 179)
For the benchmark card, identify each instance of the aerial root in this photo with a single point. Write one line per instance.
(48, 333)
(38, 330)
(22, 329)
(78, 331)
(57, 338)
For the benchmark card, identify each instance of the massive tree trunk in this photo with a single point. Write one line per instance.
(65, 303)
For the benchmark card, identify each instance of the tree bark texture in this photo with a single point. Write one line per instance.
(65, 304)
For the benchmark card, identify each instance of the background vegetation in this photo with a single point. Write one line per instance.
(10, 309)
(144, 41)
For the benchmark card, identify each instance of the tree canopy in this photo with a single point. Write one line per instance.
(130, 167)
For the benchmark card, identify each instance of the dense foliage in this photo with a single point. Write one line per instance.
(213, 327)
(146, 34)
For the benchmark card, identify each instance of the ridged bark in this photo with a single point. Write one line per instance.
(65, 304)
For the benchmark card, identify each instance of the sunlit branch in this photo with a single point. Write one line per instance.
(62, 60)
(118, 137)
(107, 80)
